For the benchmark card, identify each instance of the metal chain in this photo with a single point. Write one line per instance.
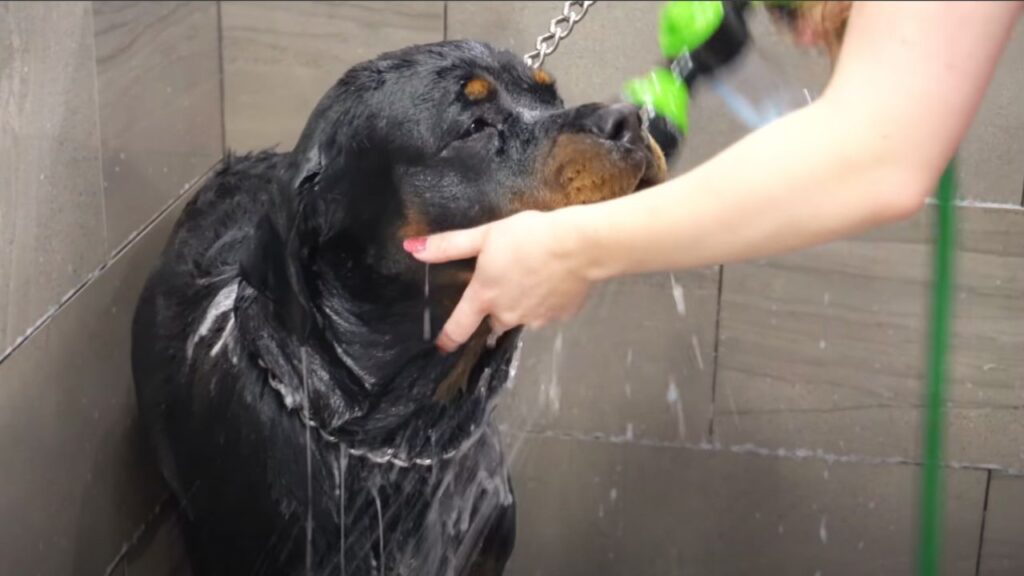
(561, 27)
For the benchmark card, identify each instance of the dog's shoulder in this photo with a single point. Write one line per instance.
(215, 224)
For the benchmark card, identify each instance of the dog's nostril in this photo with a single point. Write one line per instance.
(619, 123)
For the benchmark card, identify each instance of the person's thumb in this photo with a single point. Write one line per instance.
(447, 246)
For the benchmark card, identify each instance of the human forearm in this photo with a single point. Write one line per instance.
(828, 179)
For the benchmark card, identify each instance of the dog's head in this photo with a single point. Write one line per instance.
(453, 135)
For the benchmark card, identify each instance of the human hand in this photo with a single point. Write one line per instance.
(528, 273)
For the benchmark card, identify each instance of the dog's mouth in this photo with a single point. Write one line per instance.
(583, 169)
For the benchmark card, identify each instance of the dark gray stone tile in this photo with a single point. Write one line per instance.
(52, 229)
(1002, 552)
(992, 154)
(624, 508)
(636, 362)
(78, 476)
(158, 67)
(825, 349)
(161, 551)
(281, 57)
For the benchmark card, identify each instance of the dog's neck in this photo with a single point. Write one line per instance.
(382, 329)
(382, 325)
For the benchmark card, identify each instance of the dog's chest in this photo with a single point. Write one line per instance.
(424, 519)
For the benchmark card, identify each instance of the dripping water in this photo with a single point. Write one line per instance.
(342, 464)
(380, 525)
(309, 466)
(426, 304)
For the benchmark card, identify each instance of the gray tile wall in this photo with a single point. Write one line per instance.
(760, 418)
(53, 223)
(158, 65)
(280, 58)
(1002, 553)
(100, 130)
(78, 477)
(108, 111)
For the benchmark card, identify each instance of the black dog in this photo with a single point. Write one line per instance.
(283, 349)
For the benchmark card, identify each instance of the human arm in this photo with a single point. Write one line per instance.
(907, 84)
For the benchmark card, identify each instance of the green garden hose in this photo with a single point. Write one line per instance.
(932, 486)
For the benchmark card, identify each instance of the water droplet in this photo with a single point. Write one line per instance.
(823, 530)
(675, 401)
(427, 332)
(678, 295)
(696, 351)
(822, 344)
(613, 495)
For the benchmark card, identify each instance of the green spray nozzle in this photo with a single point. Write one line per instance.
(664, 93)
(686, 26)
(703, 30)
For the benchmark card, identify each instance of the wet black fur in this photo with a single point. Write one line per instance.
(311, 241)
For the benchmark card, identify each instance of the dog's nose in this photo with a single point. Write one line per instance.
(618, 123)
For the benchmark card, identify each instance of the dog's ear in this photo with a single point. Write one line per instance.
(274, 264)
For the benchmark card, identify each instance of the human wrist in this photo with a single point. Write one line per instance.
(583, 241)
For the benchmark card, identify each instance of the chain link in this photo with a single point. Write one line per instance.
(561, 27)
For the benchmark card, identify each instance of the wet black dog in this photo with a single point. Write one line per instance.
(283, 349)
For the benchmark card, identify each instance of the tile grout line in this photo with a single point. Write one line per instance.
(220, 61)
(714, 352)
(975, 203)
(444, 23)
(121, 559)
(117, 253)
(795, 454)
(984, 520)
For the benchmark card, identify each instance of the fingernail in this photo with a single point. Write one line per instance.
(415, 244)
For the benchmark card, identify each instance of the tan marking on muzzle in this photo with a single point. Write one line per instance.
(477, 89)
(657, 170)
(415, 225)
(581, 169)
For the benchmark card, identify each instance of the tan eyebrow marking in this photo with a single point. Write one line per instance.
(542, 77)
(477, 89)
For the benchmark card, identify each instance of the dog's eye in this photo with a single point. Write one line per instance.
(476, 127)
